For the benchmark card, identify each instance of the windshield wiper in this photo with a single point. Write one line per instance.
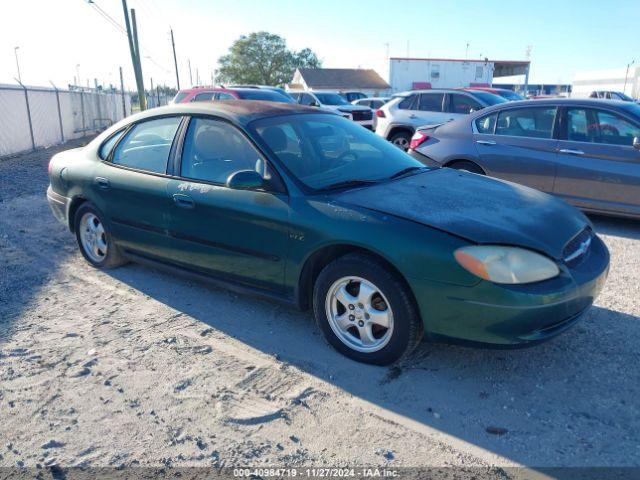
(349, 183)
(405, 171)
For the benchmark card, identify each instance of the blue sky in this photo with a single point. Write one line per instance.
(565, 36)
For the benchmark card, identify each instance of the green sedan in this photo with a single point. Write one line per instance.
(311, 209)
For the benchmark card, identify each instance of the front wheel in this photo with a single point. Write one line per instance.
(95, 242)
(365, 311)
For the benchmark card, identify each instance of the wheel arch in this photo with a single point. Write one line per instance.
(449, 163)
(321, 257)
(74, 205)
(400, 128)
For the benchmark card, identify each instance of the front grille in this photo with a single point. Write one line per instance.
(363, 115)
(578, 247)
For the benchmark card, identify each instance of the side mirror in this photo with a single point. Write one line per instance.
(246, 180)
(636, 143)
(314, 104)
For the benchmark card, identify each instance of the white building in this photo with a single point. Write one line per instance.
(608, 80)
(419, 73)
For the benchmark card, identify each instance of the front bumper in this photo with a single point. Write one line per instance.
(513, 315)
(59, 205)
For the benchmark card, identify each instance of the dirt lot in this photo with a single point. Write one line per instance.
(136, 367)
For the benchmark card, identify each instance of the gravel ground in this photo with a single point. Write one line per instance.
(136, 367)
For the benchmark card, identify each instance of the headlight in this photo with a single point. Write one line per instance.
(510, 265)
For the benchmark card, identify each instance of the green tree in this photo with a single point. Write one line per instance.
(262, 58)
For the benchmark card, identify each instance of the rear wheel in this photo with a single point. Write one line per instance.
(401, 140)
(467, 166)
(365, 311)
(94, 240)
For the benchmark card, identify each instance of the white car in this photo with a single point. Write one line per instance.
(398, 119)
(334, 102)
(372, 102)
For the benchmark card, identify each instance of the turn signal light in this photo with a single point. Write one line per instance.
(380, 114)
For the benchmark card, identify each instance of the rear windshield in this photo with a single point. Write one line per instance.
(180, 96)
(331, 99)
(511, 96)
(486, 97)
(633, 109)
(260, 94)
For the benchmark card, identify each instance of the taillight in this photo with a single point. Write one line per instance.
(50, 166)
(417, 140)
(380, 114)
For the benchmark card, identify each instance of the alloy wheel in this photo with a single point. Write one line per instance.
(359, 314)
(93, 237)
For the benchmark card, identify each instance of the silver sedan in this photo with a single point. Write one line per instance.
(585, 151)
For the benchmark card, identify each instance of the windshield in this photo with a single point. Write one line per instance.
(322, 150)
(263, 94)
(487, 98)
(511, 96)
(331, 99)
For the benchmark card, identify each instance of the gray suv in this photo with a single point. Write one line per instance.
(398, 119)
(585, 151)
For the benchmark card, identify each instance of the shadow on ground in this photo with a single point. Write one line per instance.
(559, 403)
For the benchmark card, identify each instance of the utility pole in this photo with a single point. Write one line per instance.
(624, 89)
(175, 61)
(15, 51)
(152, 89)
(79, 84)
(124, 104)
(190, 77)
(135, 53)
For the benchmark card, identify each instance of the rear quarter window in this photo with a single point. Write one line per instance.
(107, 146)
(486, 125)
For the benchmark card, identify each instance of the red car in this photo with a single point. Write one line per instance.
(509, 95)
(203, 94)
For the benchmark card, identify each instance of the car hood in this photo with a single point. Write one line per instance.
(480, 209)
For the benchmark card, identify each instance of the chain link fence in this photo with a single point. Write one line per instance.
(35, 117)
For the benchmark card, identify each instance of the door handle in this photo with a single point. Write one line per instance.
(571, 152)
(486, 142)
(183, 201)
(103, 183)
(412, 116)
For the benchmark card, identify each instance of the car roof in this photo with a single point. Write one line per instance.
(560, 102)
(428, 90)
(240, 112)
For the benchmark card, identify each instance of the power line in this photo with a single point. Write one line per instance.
(122, 30)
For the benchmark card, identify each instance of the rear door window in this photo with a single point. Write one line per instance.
(408, 103)
(147, 145)
(534, 122)
(431, 102)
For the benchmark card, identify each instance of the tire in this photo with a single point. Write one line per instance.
(342, 310)
(401, 140)
(467, 167)
(105, 253)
